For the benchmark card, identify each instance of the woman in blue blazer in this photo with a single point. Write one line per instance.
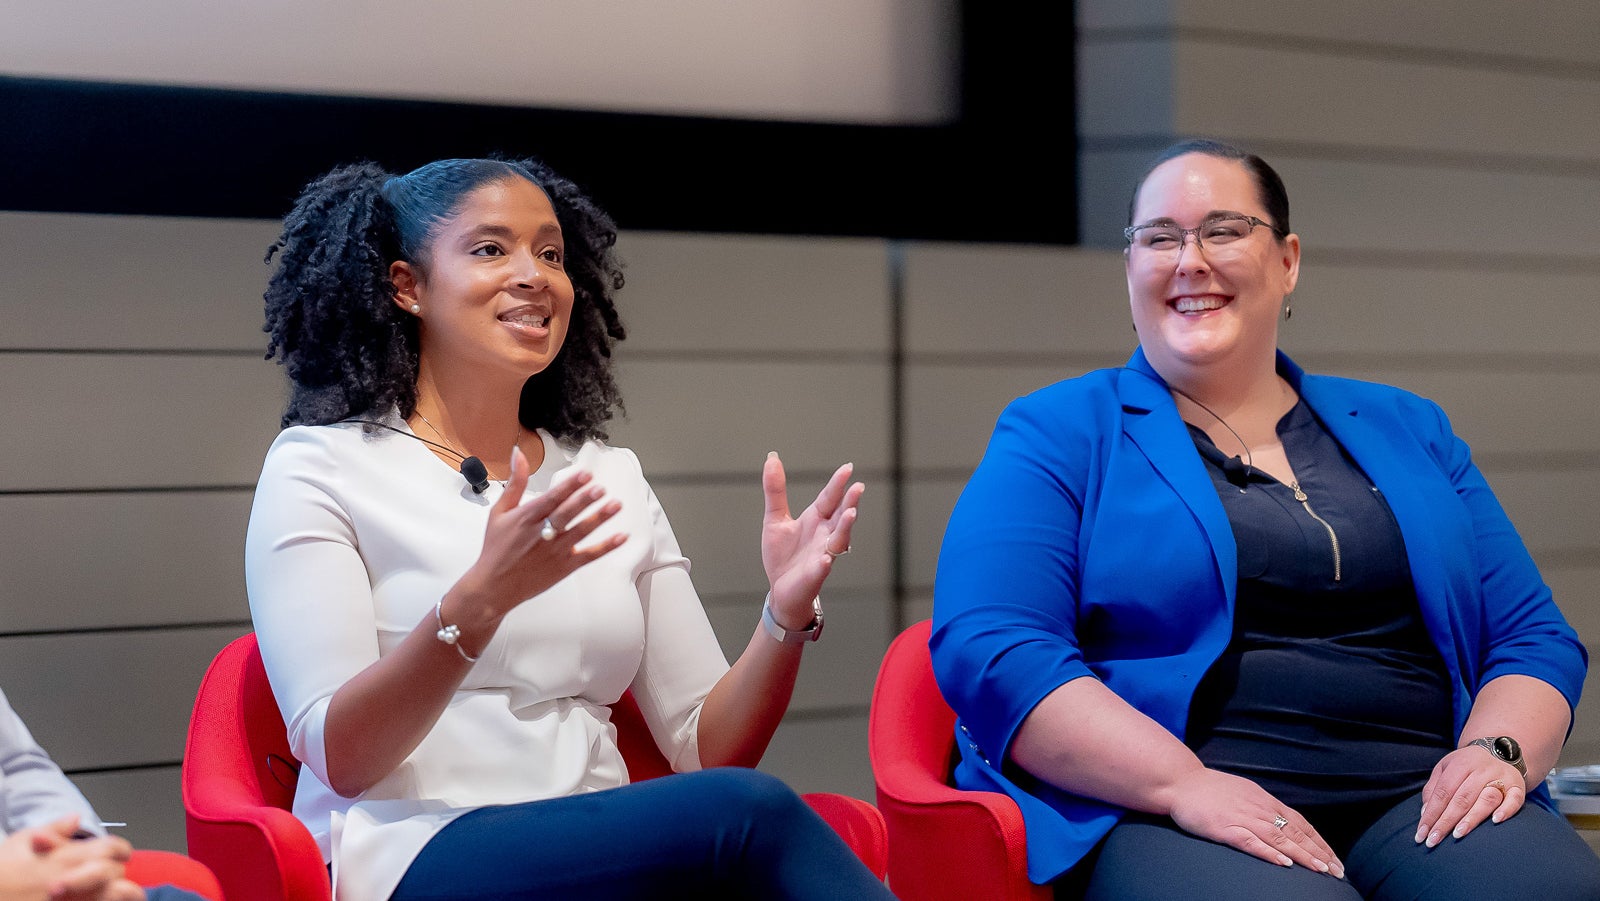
(1226, 629)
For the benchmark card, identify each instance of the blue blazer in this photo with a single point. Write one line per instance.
(1090, 542)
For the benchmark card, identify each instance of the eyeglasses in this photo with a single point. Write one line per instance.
(1217, 235)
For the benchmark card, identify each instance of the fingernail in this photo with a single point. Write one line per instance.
(1433, 839)
(1495, 818)
(1322, 866)
(1422, 833)
(771, 454)
(1458, 831)
(1338, 870)
(1284, 861)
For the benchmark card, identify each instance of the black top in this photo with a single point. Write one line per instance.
(1331, 693)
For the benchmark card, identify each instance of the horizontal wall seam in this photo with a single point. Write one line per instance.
(229, 353)
(123, 768)
(186, 626)
(1400, 361)
(753, 355)
(1391, 154)
(1471, 60)
(129, 489)
(844, 711)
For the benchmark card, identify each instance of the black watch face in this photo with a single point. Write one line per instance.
(1506, 748)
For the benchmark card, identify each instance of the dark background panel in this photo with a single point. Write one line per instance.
(1003, 172)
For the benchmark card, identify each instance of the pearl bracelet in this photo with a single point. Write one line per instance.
(450, 634)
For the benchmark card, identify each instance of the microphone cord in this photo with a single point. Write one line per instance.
(472, 469)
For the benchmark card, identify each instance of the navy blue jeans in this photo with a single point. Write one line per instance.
(724, 833)
(1535, 854)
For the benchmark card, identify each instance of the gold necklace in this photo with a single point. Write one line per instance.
(459, 455)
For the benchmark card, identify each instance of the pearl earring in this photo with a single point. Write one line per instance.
(416, 308)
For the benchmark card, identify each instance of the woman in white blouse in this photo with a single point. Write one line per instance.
(452, 576)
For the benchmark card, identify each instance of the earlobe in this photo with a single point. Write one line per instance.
(404, 279)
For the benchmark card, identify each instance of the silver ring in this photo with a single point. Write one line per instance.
(1280, 822)
(1497, 784)
(846, 550)
(548, 533)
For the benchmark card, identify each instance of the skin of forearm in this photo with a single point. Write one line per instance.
(378, 718)
(744, 708)
(1529, 710)
(1085, 739)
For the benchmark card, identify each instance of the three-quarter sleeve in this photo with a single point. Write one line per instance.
(682, 659)
(1523, 632)
(310, 596)
(1005, 597)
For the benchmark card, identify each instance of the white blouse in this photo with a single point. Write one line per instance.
(354, 537)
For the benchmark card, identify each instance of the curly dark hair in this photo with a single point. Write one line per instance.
(350, 351)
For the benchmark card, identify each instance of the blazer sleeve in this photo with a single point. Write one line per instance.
(1522, 632)
(1006, 594)
(33, 790)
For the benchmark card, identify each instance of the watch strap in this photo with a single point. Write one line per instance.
(778, 632)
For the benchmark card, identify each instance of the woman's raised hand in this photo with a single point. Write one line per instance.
(528, 547)
(798, 553)
(1234, 811)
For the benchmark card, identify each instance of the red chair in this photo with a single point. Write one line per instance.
(152, 868)
(944, 844)
(239, 778)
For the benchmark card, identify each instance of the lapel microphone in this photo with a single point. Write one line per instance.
(476, 474)
(1235, 469)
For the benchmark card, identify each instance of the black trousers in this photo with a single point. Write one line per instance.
(1535, 854)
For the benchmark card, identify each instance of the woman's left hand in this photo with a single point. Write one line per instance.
(1467, 787)
(799, 552)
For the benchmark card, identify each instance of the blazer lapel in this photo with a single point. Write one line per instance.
(1373, 440)
(1150, 420)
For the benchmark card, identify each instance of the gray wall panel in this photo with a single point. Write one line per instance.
(86, 561)
(97, 282)
(149, 800)
(126, 421)
(732, 293)
(108, 699)
(703, 417)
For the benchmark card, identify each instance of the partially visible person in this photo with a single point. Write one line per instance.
(55, 845)
(55, 861)
(1267, 628)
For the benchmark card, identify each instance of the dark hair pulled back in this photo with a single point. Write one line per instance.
(1274, 197)
(349, 350)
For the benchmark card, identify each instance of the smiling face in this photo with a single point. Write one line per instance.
(493, 295)
(1206, 312)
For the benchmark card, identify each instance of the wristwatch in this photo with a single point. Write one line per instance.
(1506, 748)
(784, 635)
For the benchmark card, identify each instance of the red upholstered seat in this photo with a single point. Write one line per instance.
(153, 868)
(944, 844)
(239, 778)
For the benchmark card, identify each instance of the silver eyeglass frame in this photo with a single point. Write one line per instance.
(1184, 233)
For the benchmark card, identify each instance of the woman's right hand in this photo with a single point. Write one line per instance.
(1234, 811)
(517, 562)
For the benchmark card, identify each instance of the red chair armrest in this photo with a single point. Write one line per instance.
(259, 853)
(859, 824)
